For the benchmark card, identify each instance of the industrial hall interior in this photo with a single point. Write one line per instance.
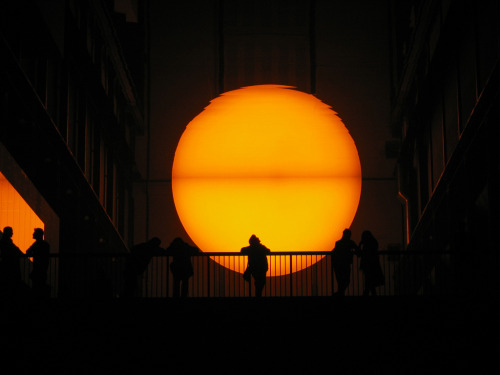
(95, 96)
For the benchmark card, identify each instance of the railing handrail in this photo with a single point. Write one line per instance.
(220, 273)
(229, 253)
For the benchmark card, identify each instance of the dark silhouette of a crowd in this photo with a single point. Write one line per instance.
(342, 258)
(181, 266)
(180, 253)
(11, 282)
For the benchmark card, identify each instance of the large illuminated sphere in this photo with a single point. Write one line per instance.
(266, 160)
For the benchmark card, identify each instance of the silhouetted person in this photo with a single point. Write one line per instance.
(369, 263)
(40, 251)
(342, 260)
(181, 266)
(10, 268)
(257, 262)
(137, 262)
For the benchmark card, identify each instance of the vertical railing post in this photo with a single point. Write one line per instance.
(314, 278)
(208, 276)
(403, 274)
(332, 273)
(167, 270)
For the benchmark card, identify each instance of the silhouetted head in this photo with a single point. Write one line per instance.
(366, 235)
(38, 234)
(177, 241)
(346, 234)
(155, 241)
(8, 232)
(254, 240)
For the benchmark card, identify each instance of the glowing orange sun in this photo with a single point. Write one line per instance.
(268, 160)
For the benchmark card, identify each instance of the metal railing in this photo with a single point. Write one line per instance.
(102, 275)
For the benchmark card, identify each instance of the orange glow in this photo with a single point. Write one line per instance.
(271, 161)
(16, 213)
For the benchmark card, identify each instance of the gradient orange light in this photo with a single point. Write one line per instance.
(16, 213)
(266, 160)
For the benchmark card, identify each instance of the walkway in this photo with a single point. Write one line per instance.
(281, 335)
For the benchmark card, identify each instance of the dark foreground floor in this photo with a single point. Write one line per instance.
(240, 336)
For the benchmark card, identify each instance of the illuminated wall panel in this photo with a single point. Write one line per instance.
(16, 213)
